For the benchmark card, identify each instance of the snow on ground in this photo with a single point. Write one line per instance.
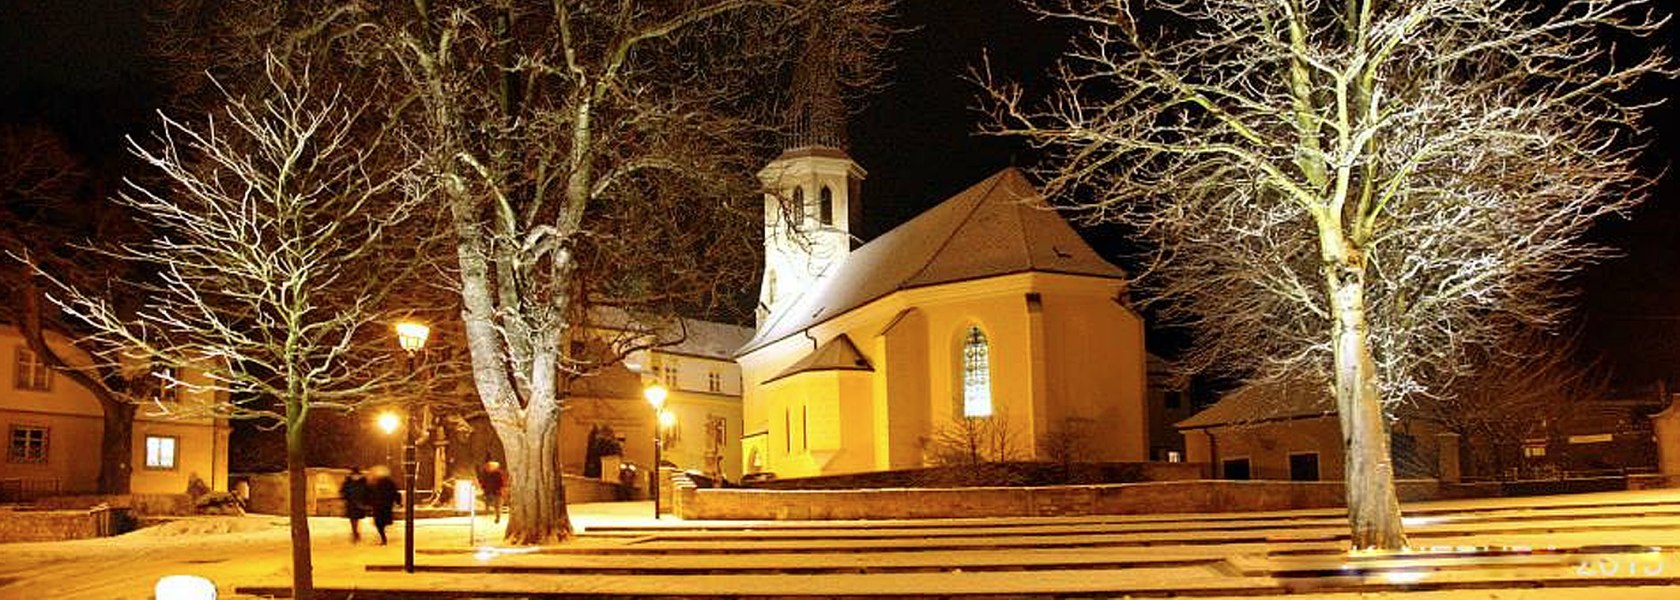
(241, 550)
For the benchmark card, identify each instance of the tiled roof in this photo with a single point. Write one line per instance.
(710, 339)
(997, 227)
(839, 354)
(693, 337)
(1265, 401)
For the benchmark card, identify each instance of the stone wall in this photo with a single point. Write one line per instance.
(582, 490)
(59, 525)
(139, 505)
(271, 492)
(992, 474)
(1117, 499)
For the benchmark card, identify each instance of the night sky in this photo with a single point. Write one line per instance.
(78, 67)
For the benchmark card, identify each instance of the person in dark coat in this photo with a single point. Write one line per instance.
(384, 498)
(354, 493)
(493, 480)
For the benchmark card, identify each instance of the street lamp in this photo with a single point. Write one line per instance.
(388, 422)
(655, 395)
(411, 335)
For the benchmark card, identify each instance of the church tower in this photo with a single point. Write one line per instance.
(811, 205)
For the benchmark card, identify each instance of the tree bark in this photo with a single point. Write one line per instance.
(1373, 505)
(303, 569)
(116, 443)
(537, 496)
(116, 448)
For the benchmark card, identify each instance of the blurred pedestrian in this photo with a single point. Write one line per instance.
(354, 493)
(384, 498)
(493, 480)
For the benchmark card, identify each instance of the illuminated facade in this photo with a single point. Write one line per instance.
(988, 306)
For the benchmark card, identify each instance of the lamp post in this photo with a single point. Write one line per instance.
(655, 395)
(388, 422)
(411, 335)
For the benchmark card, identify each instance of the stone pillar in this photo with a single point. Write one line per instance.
(1446, 449)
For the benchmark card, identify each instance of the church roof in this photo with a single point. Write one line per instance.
(999, 226)
(1265, 401)
(839, 354)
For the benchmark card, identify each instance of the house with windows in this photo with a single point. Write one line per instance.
(1288, 431)
(696, 367)
(988, 306)
(53, 429)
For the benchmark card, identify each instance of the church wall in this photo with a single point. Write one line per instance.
(1096, 367)
(901, 372)
(1001, 313)
(1092, 366)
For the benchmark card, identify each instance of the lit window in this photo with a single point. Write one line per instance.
(31, 373)
(825, 206)
(714, 382)
(160, 452)
(28, 444)
(977, 375)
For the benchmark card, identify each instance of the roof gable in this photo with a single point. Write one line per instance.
(996, 227)
(1265, 401)
(839, 354)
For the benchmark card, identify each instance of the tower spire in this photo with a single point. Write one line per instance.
(816, 113)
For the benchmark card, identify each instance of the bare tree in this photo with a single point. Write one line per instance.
(973, 441)
(1068, 444)
(1352, 189)
(270, 247)
(588, 153)
(47, 214)
(1516, 391)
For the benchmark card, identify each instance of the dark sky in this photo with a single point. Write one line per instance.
(78, 66)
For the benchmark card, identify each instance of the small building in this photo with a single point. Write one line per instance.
(1168, 402)
(704, 386)
(53, 430)
(1288, 430)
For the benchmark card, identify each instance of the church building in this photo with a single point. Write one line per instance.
(986, 309)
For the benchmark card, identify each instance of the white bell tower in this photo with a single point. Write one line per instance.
(811, 204)
(809, 212)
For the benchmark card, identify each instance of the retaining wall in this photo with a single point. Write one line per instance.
(59, 525)
(991, 474)
(1117, 499)
(139, 505)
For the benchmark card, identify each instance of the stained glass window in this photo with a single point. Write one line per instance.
(977, 375)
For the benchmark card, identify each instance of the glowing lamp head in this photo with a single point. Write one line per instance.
(667, 419)
(184, 587)
(655, 395)
(412, 335)
(389, 422)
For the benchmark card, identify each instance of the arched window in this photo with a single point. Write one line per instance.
(799, 200)
(825, 206)
(977, 375)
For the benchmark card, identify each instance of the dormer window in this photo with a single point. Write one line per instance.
(825, 206)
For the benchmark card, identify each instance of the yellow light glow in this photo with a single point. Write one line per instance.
(412, 335)
(655, 395)
(389, 422)
(667, 419)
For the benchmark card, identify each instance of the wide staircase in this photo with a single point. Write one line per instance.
(1579, 546)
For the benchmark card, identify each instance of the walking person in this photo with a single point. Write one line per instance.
(354, 493)
(493, 480)
(384, 498)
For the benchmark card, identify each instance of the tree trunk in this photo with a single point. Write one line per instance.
(116, 448)
(303, 569)
(1373, 506)
(537, 496)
